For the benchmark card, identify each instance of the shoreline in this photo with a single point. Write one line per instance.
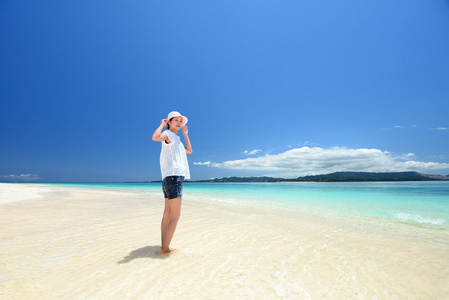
(78, 243)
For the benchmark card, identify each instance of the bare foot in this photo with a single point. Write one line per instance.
(169, 251)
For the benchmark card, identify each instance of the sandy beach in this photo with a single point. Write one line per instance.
(62, 242)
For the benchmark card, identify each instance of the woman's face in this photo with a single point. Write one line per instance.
(176, 123)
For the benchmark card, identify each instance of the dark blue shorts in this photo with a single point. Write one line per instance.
(172, 186)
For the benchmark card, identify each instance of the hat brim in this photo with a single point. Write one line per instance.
(184, 120)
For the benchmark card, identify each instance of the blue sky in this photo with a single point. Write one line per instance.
(280, 88)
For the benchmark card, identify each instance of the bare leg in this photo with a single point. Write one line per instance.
(174, 214)
(165, 220)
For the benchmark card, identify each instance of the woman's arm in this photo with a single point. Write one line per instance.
(188, 147)
(158, 136)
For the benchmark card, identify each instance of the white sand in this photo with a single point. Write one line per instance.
(10, 192)
(73, 243)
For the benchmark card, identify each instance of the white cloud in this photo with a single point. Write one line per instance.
(21, 177)
(316, 160)
(440, 157)
(206, 163)
(406, 156)
(253, 152)
(440, 128)
(401, 127)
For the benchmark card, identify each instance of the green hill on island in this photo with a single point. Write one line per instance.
(339, 177)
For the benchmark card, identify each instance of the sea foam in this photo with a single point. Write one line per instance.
(418, 219)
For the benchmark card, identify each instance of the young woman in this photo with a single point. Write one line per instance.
(174, 169)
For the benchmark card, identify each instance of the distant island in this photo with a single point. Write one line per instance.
(339, 177)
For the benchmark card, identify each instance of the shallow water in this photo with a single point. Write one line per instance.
(414, 203)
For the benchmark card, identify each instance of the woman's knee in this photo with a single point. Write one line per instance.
(166, 214)
(175, 216)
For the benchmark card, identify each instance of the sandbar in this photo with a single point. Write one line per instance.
(64, 242)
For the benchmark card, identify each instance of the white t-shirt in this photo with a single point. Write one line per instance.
(173, 157)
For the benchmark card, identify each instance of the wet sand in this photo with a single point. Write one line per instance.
(60, 242)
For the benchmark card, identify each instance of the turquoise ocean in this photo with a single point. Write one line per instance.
(421, 204)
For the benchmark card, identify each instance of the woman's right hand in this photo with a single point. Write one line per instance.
(164, 122)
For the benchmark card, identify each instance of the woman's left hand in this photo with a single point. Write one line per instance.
(185, 130)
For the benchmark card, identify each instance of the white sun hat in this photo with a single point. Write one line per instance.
(177, 114)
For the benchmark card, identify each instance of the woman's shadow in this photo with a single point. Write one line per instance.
(144, 252)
